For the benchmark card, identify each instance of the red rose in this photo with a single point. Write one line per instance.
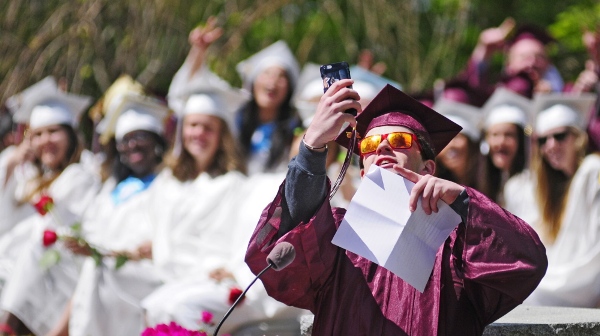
(44, 205)
(49, 238)
(234, 294)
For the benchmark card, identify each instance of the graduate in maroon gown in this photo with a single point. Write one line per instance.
(487, 266)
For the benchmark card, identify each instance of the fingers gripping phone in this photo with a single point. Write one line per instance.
(331, 73)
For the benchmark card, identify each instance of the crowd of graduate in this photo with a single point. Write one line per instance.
(150, 223)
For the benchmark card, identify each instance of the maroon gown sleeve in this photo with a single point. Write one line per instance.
(298, 284)
(499, 257)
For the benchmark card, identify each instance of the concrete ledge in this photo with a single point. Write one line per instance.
(529, 320)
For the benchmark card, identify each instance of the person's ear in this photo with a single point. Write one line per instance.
(428, 167)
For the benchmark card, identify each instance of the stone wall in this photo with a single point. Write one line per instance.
(530, 321)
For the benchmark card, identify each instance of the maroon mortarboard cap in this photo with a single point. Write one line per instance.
(461, 91)
(392, 107)
(520, 83)
(426, 98)
(529, 31)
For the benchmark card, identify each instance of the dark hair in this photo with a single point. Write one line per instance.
(72, 155)
(121, 171)
(473, 158)
(283, 135)
(490, 177)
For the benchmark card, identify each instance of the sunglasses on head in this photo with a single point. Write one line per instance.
(397, 140)
(558, 137)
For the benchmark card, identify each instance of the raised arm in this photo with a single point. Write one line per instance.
(306, 182)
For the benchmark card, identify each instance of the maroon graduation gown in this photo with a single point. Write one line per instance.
(486, 267)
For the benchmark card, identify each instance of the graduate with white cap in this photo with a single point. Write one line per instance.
(103, 141)
(267, 122)
(55, 171)
(559, 198)
(506, 121)
(458, 161)
(192, 211)
(13, 155)
(120, 224)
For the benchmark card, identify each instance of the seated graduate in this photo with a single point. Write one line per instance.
(488, 265)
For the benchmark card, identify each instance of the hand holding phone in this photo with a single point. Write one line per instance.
(331, 73)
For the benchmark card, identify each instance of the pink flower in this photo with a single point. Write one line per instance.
(172, 329)
(44, 205)
(234, 294)
(207, 317)
(50, 237)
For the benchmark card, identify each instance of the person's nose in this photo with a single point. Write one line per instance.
(551, 143)
(44, 138)
(384, 146)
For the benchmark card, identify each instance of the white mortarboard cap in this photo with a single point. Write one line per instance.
(308, 93)
(559, 110)
(366, 90)
(207, 87)
(47, 107)
(377, 81)
(113, 97)
(466, 116)
(15, 102)
(138, 113)
(506, 106)
(277, 54)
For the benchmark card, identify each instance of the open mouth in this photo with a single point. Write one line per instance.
(385, 162)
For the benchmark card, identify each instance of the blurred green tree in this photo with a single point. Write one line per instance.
(89, 43)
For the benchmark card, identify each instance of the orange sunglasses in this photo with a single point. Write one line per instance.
(397, 140)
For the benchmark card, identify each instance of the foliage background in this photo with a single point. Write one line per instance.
(89, 43)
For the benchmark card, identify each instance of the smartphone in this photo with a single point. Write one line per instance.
(331, 73)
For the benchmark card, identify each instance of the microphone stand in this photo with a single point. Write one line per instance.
(271, 264)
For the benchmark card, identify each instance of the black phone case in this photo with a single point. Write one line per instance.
(331, 73)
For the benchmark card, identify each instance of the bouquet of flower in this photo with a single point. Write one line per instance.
(174, 329)
(44, 206)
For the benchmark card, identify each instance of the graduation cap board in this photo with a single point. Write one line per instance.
(13, 103)
(209, 94)
(529, 31)
(554, 110)
(277, 54)
(46, 106)
(466, 116)
(112, 99)
(392, 107)
(506, 106)
(137, 112)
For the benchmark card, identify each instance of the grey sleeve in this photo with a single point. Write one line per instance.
(305, 188)
(461, 205)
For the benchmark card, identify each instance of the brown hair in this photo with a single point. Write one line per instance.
(490, 179)
(73, 154)
(553, 186)
(227, 158)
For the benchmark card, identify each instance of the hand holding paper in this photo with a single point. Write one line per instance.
(379, 226)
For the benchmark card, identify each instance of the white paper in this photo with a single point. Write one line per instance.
(378, 226)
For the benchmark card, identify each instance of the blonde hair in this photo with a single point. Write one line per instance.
(227, 158)
(552, 190)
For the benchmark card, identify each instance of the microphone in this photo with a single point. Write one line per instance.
(280, 257)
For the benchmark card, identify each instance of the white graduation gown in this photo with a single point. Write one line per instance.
(34, 294)
(12, 211)
(183, 300)
(106, 300)
(196, 235)
(573, 275)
